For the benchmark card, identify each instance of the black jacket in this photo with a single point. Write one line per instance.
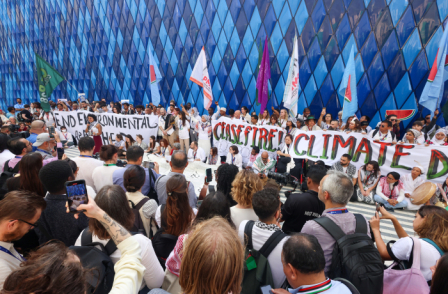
(300, 208)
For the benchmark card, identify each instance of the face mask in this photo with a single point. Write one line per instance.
(64, 131)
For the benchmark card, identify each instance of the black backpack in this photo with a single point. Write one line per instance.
(261, 274)
(163, 243)
(101, 279)
(355, 256)
(5, 175)
(152, 193)
(138, 226)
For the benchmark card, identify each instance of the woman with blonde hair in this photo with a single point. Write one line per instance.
(245, 185)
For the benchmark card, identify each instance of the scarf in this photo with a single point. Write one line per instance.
(212, 159)
(436, 142)
(261, 167)
(368, 178)
(386, 189)
(416, 135)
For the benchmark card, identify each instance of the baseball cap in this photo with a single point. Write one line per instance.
(42, 138)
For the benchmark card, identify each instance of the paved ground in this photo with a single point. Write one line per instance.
(387, 229)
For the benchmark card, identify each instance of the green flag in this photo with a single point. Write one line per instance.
(48, 79)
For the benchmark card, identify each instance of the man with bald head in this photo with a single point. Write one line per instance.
(37, 127)
(263, 164)
(237, 115)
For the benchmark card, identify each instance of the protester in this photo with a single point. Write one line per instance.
(54, 222)
(204, 130)
(184, 131)
(244, 186)
(133, 179)
(213, 158)
(103, 175)
(178, 164)
(163, 148)
(28, 177)
(95, 130)
(254, 120)
(263, 118)
(300, 208)
(325, 119)
(383, 133)
(344, 165)
(430, 225)
(19, 213)
(430, 127)
(439, 139)
(390, 192)
(285, 163)
(85, 162)
(114, 202)
(263, 164)
(134, 156)
(119, 143)
(368, 177)
(225, 175)
(139, 142)
(196, 153)
(411, 137)
(129, 141)
(353, 127)
(91, 193)
(66, 137)
(37, 127)
(153, 147)
(335, 190)
(310, 125)
(410, 183)
(234, 158)
(303, 264)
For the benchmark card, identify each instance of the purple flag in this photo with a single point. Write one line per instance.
(264, 74)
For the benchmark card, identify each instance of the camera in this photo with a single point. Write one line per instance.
(281, 179)
(121, 163)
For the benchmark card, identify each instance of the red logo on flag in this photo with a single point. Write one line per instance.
(433, 72)
(152, 74)
(348, 91)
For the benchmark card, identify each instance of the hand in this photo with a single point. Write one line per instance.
(426, 145)
(56, 137)
(91, 210)
(164, 132)
(279, 291)
(324, 112)
(385, 214)
(375, 222)
(156, 167)
(54, 153)
(64, 156)
(205, 181)
(391, 202)
(407, 195)
(279, 152)
(436, 112)
(216, 102)
(272, 108)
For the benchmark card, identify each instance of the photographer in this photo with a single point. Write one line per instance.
(263, 165)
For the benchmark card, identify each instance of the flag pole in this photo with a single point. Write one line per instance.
(71, 86)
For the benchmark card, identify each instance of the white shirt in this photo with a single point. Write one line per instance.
(102, 176)
(5, 156)
(48, 118)
(86, 166)
(410, 185)
(154, 274)
(237, 160)
(65, 136)
(259, 237)
(382, 137)
(200, 153)
(428, 254)
(161, 125)
(7, 262)
(336, 288)
(263, 122)
(158, 216)
(184, 130)
(240, 214)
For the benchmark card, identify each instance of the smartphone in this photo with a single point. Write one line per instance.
(76, 192)
(266, 289)
(378, 205)
(211, 188)
(51, 131)
(208, 173)
(151, 165)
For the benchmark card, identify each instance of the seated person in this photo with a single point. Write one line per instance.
(285, 162)
(390, 192)
(311, 124)
(263, 164)
(411, 137)
(233, 157)
(410, 183)
(368, 177)
(196, 153)
(439, 139)
(253, 157)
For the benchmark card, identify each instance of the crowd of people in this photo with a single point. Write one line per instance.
(148, 232)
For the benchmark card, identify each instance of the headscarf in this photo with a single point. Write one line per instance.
(439, 142)
(422, 170)
(416, 135)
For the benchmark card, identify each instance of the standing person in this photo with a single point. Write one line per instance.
(172, 131)
(220, 112)
(126, 109)
(254, 120)
(102, 175)
(263, 118)
(178, 163)
(390, 192)
(233, 157)
(139, 142)
(325, 120)
(96, 130)
(85, 162)
(184, 131)
(310, 124)
(163, 124)
(300, 208)
(204, 131)
(245, 185)
(5, 154)
(365, 119)
(19, 105)
(411, 137)
(196, 153)
(282, 117)
(439, 139)
(410, 183)
(344, 165)
(245, 114)
(368, 177)
(19, 213)
(290, 127)
(353, 127)
(382, 134)
(28, 179)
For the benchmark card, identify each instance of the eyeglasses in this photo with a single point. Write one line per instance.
(393, 119)
(33, 225)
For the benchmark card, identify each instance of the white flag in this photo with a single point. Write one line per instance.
(291, 95)
(200, 76)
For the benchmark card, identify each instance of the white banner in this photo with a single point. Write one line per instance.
(329, 146)
(76, 123)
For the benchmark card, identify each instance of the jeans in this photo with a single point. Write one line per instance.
(402, 204)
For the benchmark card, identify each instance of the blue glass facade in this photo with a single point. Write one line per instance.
(101, 47)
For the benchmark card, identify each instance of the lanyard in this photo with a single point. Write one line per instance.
(321, 287)
(65, 135)
(85, 156)
(338, 211)
(19, 157)
(110, 164)
(194, 155)
(233, 159)
(9, 252)
(44, 151)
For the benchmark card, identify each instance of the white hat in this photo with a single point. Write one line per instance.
(42, 138)
(223, 109)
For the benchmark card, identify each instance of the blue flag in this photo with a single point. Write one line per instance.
(155, 77)
(348, 88)
(432, 93)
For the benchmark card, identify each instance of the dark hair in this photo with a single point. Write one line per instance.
(133, 153)
(11, 108)
(153, 144)
(3, 142)
(290, 137)
(195, 143)
(16, 146)
(265, 204)
(319, 162)
(235, 149)
(376, 167)
(245, 108)
(348, 156)
(130, 143)
(316, 173)
(388, 122)
(390, 115)
(214, 151)
(54, 175)
(396, 176)
(112, 199)
(439, 282)
(72, 165)
(29, 167)
(254, 116)
(134, 178)
(107, 152)
(226, 173)
(183, 117)
(215, 204)
(92, 116)
(119, 136)
(179, 159)
(417, 123)
(177, 215)
(231, 112)
(86, 144)
(331, 116)
(21, 205)
(304, 253)
(257, 149)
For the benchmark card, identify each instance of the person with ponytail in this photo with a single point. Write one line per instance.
(102, 175)
(390, 192)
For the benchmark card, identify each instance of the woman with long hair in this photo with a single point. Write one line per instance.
(263, 118)
(443, 192)
(225, 174)
(139, 142)
(285, 163)
(439, 283)
(213, 158)
(95, 130)
(129, 141)
(113, 200)
(390, 192)
(273, 121)
(353, 127)
(28, 177)
(282, 117)
(102, 175)
(325, 119)
(184, 131)
(154, 146)
(233, 157)
(430, 225)
(368, 177)
(164, 147)
(245, 185)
